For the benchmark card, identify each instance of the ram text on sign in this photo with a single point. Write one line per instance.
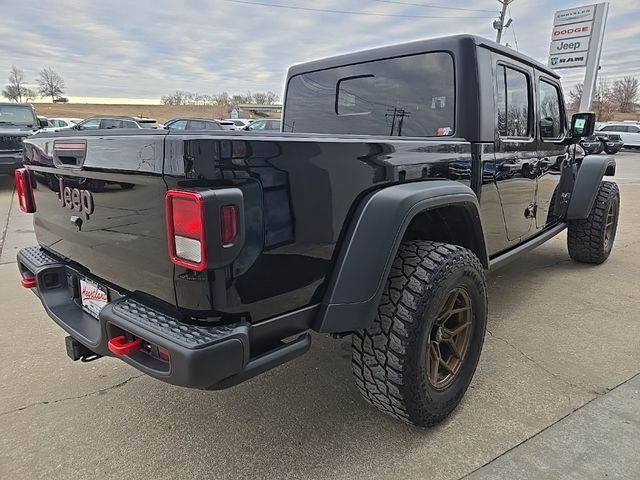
(582, 29)
(568, 60)
(574, 15)
(569, 46)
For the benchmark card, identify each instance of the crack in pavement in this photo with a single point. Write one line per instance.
(581, 386)
(51, 402)
(6, 224)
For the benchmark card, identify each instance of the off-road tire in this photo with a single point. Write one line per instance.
(599, 149)
(611, 150)
(389, 357)
(586, 239)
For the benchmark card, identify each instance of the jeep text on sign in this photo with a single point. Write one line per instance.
(573, 15)
(568, 60)
(570, 46)
(561, 32)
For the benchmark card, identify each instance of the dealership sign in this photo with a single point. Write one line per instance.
(576, 35)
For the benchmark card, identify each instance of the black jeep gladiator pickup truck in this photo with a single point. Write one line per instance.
(402, 176)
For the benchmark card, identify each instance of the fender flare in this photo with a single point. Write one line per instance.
(585, 189)
(371, 242)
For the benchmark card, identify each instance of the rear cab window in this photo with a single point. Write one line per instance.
(410, 96)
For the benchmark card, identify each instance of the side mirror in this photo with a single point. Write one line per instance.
(582, 125)
(43, 122)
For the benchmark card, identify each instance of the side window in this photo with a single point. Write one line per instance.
(611, 128)
(551, 125)
(92, 124)
(179, 125)
(212, 126)
(195, 125)
(513, 102)
(128, 124)
(633, 129)
(110, 123)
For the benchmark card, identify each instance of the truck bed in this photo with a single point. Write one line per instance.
(298, 192)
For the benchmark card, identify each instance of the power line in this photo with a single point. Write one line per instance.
(343, 12)
(513, 29)
(425, 5)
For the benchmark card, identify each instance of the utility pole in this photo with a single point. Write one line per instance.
(499, 24)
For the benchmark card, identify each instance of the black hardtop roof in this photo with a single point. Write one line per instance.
(418, 46)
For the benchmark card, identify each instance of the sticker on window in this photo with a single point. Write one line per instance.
(444, 131)
(438, 102)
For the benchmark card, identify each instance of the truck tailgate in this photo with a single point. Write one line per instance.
(100, 202)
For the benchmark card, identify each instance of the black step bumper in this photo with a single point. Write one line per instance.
(196, 356)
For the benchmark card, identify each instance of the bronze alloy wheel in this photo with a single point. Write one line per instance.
(610, 225)
(449, 338)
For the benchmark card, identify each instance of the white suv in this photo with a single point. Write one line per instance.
(628, 131)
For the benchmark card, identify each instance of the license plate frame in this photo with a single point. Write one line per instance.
(93, 296)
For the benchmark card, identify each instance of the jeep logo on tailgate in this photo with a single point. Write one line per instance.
(75, 199)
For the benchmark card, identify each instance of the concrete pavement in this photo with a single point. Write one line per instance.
(560, 337)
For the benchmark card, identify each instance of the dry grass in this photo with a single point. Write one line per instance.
(159, 112)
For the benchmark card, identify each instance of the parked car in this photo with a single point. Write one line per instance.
(65, 122)
(264, 124)
(193, 124)
(17, 122)
(56, 124)
(105, 122)
(61, 100)
(609, 143)
(240, 123)
(629, 132)
(379, 220)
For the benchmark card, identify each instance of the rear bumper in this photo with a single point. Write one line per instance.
(203, 357)
(9, 161)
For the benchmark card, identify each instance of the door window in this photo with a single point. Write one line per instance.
(110, 123)
(92, 124)
(179, 125)
(551, 122)
(513, 102)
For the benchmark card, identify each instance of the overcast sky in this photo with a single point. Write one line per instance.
(142, 49)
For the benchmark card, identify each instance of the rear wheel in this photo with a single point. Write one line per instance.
(417, 359)
(590, 240)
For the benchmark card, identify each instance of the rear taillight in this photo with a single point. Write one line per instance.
(186, 229)
(24, 189)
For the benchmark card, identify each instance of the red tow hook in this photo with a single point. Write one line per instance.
(29, 282)
(121, 346)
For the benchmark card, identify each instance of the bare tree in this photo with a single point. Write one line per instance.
(260, 98)
(51, 83)
(16, 89)
(625, 93)
(271, 98)
(575, 95)
(602, 104)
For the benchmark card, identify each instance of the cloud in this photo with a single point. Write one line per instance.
(149, 48)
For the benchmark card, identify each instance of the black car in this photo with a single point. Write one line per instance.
(189, 123)
(602, 142)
